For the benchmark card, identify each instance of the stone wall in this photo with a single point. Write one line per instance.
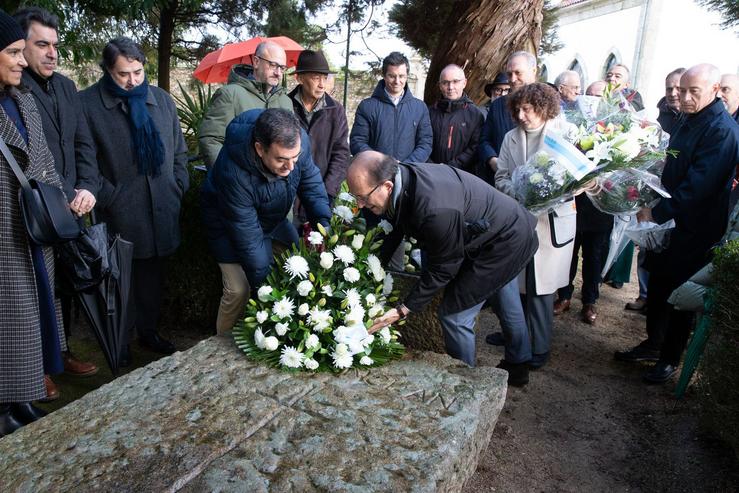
(210, 420)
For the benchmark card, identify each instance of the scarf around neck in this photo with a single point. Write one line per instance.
(147, 143)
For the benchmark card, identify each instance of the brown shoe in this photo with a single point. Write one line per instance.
(78, 368)
(561, 306)
(638, 305)
(588, 314)
(52, 393)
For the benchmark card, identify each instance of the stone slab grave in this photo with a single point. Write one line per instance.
(208, 419)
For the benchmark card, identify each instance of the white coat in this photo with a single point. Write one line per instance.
(555, 229)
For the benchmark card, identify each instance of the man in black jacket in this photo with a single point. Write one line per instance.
(476, 241)
(456, 122)
(669, 106)
(324, 120)
(66, 131)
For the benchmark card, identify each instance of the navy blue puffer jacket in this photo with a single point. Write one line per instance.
(403, 131)
(243, 204)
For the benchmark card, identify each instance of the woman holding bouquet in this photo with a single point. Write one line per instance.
(535, 108)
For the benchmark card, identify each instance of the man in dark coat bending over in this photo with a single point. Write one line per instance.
(476, 239)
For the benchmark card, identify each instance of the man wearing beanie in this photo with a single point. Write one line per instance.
(67, 136)
(324, 120)
(143, 162)
(27, 310)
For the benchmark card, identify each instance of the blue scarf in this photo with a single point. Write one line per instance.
(146, 141)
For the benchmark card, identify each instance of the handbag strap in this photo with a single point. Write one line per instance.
(14, 165)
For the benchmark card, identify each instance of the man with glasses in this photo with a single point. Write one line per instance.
(568, 84)
(325, 121)
(476, 241)
(456, 122)
(493, 90)
(248, 87)
(247, 196)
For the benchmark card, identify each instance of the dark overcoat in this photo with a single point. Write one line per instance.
(21, 362)
(67, 133)
(498, 123)
(402, 131)
(243, 203)
(142, 209)
(456, 126)
(699, 180)
(476, 239)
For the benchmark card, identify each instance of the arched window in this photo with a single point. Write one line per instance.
(610, 62)
(577, 67)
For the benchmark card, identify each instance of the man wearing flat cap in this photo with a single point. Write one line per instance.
(324, 120)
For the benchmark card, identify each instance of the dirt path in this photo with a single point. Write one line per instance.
(587, 423)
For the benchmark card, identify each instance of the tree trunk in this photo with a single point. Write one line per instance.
(164, 42)
(481, 39)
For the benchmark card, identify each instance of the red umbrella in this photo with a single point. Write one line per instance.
(216, 65)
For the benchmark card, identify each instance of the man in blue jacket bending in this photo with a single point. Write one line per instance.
(392, 121)
(265, 162)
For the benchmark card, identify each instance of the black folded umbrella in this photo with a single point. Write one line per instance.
(106, 304)
(85, 259)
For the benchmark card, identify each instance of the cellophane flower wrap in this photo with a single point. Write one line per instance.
(313, 311)
(614, 139)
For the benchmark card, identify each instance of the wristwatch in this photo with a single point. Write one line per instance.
(402, 310)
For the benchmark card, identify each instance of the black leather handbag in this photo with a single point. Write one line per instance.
(46, 214)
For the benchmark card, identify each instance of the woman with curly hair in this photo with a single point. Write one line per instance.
(535, 108)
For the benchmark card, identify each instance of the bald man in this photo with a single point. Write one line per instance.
(248, 88)
(476, 241)
(456, 122)
(730, 94)
(698, 178)
(596, 88)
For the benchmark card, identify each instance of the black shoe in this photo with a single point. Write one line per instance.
(538, 360)
(495, 339)
(615, 285)
(156, 343)
(660, 373)
(518, 373)
(637, 353)
(8, 423)
(25, 412)
(124, 361)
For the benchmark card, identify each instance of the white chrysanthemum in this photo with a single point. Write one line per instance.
(291, 357)
(305, 287)
(355, 316)
(315, 238)
(341, 357)
(297, 266)
(376, 310)
(353, 297)
(346, 197)
(259, 338)
(366, 360)
(327, 290)
(367, 341)
(327, 260)
(370, 299)
(385, 335)
(262, 316)
(283, 308)
(271, 343)
(357, 241)
(319, 319)
(281, 328)
(352, 336)
(345, 254)
(387, 286)
(312, 342)
(344, 213)
(303, 309)
(351, 274)
(310, 364)
(375, 267)
(263, 293)
(386, 226)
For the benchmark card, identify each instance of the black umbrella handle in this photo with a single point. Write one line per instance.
(93, 217)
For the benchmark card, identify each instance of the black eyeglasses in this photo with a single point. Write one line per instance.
(365, 198)
(272, 65)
